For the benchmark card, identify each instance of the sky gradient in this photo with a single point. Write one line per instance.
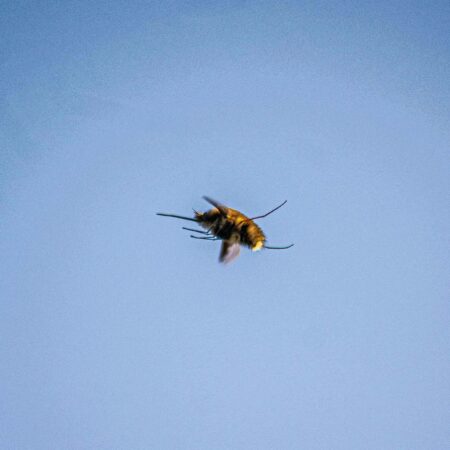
(117, 331)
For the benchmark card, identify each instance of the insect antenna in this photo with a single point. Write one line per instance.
(270, 212)
(279, 248)
(177, 216)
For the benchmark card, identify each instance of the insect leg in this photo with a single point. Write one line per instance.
(270, 212)
(206, 238)
(196, 231)
(279, 248)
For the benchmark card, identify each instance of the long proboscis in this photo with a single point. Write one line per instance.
(177, 217)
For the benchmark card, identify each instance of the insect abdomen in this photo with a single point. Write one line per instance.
(252, 236)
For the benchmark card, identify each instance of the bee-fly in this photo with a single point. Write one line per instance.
(231, 227)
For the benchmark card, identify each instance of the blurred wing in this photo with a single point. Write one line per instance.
(223, 209)
(228, 252)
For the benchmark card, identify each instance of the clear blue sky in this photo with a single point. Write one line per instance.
(117, 331)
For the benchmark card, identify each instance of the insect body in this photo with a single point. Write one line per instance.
(231, 227)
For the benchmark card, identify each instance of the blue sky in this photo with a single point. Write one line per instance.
(120, 332)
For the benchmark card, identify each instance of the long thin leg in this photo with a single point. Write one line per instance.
(196, 231)
(177, 216)
(270, 212)
(279, 248)
(209, 238)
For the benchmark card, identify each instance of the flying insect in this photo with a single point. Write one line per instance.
(229, 226)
